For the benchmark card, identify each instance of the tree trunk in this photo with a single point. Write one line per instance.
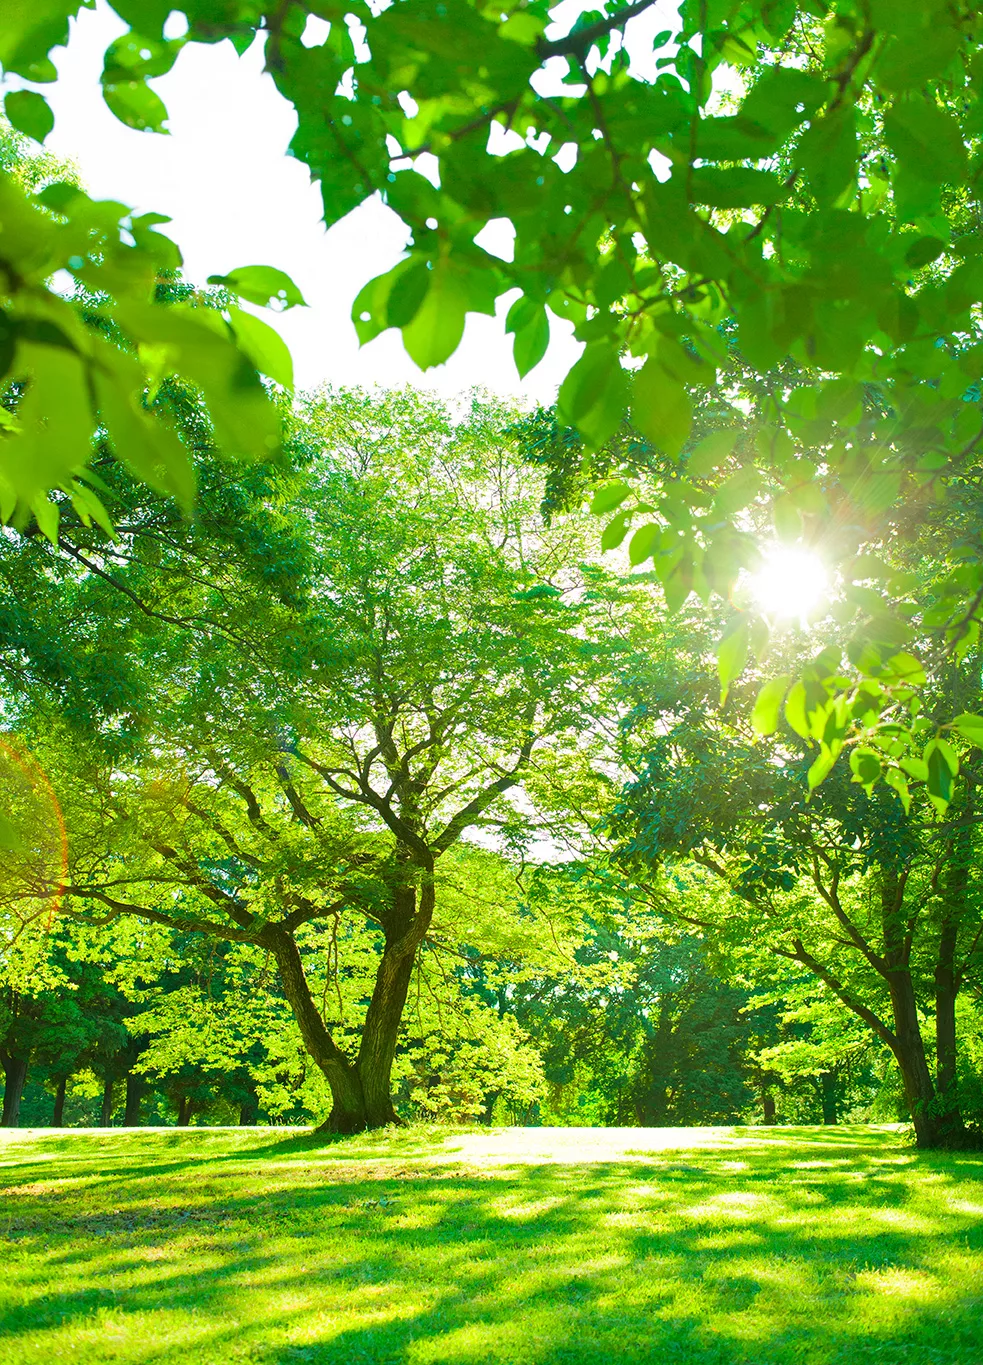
(768, 1107)
(348, 1104)
(106, 1113)
(58, 1115)
(827, 1092)
(909, 1051)
(184, 1111)
(134, 1095)
(14, 1076)
(908, 1045)
(249, 1108)
(404, 930)
(946, 990)
(361, 1092)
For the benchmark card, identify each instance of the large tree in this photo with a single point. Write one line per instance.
(298, 751)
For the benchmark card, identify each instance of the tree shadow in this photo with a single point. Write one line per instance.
(827, 1251)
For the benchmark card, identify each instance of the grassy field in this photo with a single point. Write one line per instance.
(532, 1247)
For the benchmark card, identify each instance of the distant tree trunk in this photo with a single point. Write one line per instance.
(134, 1095)
(14, 1076)
(947, 988)
(768, 1107)
(827, 1092)
(58, 1115)
(185, 1109)
(106, 1113)
(249, 1109)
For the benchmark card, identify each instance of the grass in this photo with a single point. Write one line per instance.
(525, 1247)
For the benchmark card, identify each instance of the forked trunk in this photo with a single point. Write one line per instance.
(361, 1091)
(414, 911)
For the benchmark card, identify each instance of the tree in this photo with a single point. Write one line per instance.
(877, 901)
(825, 217)
(314, 751)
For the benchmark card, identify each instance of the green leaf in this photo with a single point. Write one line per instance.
(152, 450)
(764, 717)
(584, 386)
(970, 728)
(528, 320)
(710, 453)
(610, 496)
(821, 768)
(264, 346)
(795, 711)
(46, 516)
(732, 652)
(135, 104)
(592, 397)
(945, 749)
(408, 291)
(644, 543)
(438, 324)
(261, 284)
(940, 775)
(865, 764)
(28, 31)
(29, 113)
(926, 140)
(828, 155)
(661, 408)
(615, 531)
(735, 187)
(907, 668)
(896, 779)
(916, 768)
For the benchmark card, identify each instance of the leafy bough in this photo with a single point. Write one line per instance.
(824, 220)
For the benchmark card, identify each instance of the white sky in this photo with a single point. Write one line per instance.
(237, 199)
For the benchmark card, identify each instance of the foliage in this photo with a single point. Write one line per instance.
(765, 190)
(76, 378)
(341, 669)
(879, 902)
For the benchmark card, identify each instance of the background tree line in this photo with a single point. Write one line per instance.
(386, 795)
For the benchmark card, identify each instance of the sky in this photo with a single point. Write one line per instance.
(235, 198)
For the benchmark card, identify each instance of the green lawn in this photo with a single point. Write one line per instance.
(537, 1245)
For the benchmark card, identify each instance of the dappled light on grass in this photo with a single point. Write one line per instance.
(206, 1246)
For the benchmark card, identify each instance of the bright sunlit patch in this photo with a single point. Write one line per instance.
(789, 583)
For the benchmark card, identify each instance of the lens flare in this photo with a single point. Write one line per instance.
(33, 841)
(789, 584)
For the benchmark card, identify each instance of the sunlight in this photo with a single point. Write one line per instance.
(789, 583)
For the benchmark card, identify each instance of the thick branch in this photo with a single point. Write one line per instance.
(183, 922)
(578, 44)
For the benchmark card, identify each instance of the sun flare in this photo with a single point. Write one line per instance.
(789, 583)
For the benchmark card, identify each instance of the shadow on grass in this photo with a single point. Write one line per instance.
(833, 1250)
